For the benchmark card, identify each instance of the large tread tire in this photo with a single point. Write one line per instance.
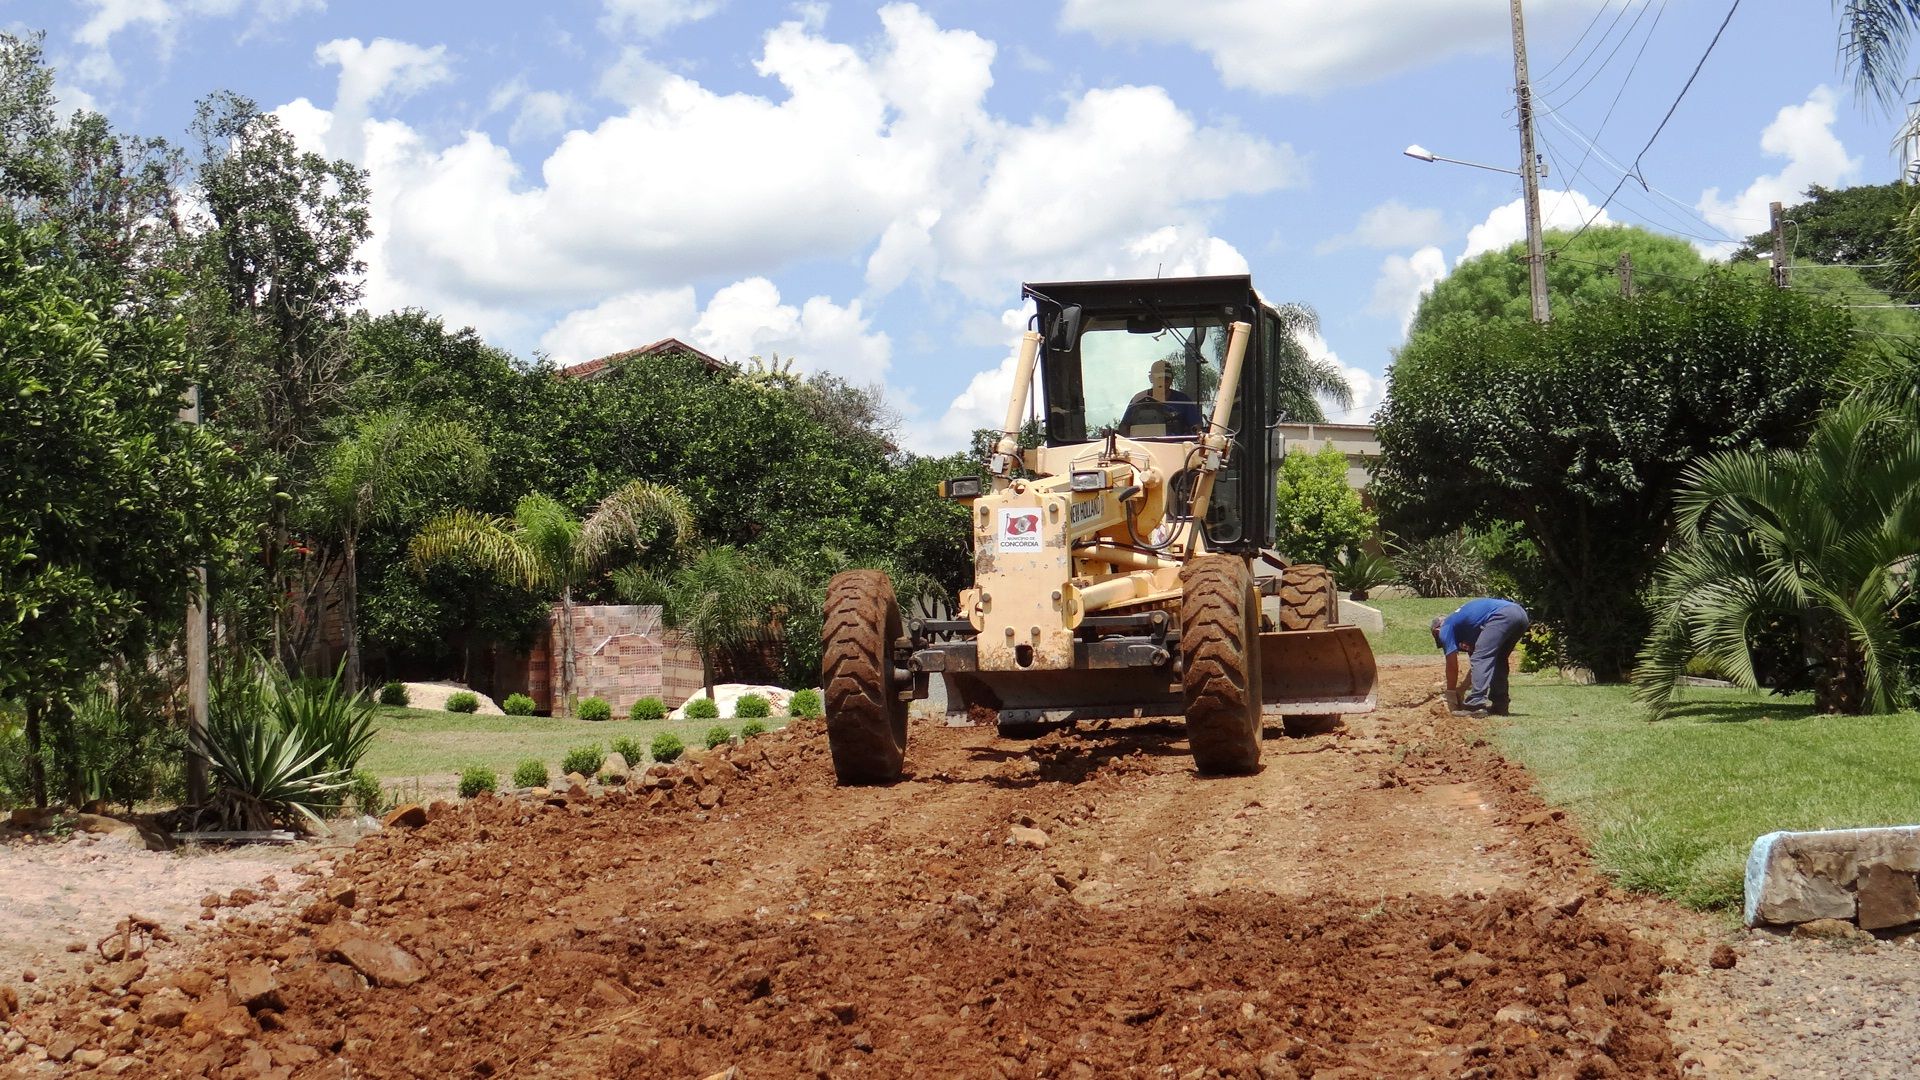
(1307, 598)
(866, 717)
(1220, 669)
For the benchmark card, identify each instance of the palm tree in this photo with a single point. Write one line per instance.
(545, 546)
(1302, 379)
(724, 599)
(1823, 537)
(388, 465)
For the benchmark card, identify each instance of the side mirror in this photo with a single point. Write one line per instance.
(1065, 332)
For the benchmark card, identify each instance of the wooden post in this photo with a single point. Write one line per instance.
(1779, 245)
(1529, 171)
(197, 695)
(1626, 274)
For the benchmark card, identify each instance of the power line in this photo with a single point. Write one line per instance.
(1624, 38)
(1552, 110)
(1663, 121)
(1593, 148)
(1591, 23)
(1598, 42)
(1667, 222)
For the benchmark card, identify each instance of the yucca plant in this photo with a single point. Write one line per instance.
(328, 718)
(266, 774)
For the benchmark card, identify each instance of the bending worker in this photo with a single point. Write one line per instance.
(1488, 628)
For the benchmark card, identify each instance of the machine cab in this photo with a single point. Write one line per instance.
(1142, 359)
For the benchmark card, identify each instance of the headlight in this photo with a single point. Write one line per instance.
(1092, 480)
(962, 487)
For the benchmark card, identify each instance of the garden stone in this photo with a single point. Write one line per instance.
(1836, 874)
(615, 766)
(1888, 898)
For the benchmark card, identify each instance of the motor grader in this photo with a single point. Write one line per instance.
(1124, 567)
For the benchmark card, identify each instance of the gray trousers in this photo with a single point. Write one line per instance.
(1498, 635)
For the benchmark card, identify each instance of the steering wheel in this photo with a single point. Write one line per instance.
(1150, 413)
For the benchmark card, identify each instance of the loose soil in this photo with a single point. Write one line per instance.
(1385, 898)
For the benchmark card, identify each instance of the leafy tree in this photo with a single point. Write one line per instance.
(1493, 284)
(1579, 431)
(545, 546)
(1316, 514)
(1857, 226)
(1815, 538)
(106, 500)
(390, 464)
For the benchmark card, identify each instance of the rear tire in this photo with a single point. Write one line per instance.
(1220, 668)
(1307, 598)
(866, 718)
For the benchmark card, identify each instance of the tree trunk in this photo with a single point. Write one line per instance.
(566, 649)
(706, 670)
(1839, 668)
(36, 767)
(350, 614)
(66, 749)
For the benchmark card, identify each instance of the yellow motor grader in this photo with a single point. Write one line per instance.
(1124, 567)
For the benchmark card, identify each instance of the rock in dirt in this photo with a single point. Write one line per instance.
(9, 1002)
(1797, 877)
(1830, 930)
(164, 1008)
(253, 985)
(1723, 958)
(382, 962)
(615, 767)
(407, 816)
(1023, 836)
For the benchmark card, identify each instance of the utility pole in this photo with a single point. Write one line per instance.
(1779, 245)
(1626, 274)
(1529, 171)
(196, 651)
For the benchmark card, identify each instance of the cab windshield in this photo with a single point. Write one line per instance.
(1148, 377)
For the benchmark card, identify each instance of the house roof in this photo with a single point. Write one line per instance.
(593, 369)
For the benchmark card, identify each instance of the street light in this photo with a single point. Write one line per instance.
(1421, 153)
(1530, 179)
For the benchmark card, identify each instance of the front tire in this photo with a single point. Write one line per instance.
(1220, 669)
(866, 716)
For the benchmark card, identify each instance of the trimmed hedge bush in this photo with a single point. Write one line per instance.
(806, 703)
(475, 779)
(365, 794)
(649, 708)
(719, 735)
(394, 694)
(530, 773)
(517, 705)
(701, 708)
(585, 760)
(595, 709)
(630, 748)
(463, 701)
(667, 746)
(750, 706)
(751, 728)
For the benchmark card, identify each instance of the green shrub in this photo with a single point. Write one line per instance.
(719, 735)
(394, 694)
(530, 773)
(265, 775)
(628, 747)
(806, 703)
(585, 760)
(702, 708)
(750, 706)
(595, 709)
(366, 796)
(475, 779)
(328, 719)
(1450, 564)
(1539, 649)
(517, 705)
(649, 708)
(463, 701)
(667, 746)
(751, 728)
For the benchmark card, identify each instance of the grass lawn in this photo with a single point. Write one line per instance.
(1407, 620)
(418, 742)
(1674, 807)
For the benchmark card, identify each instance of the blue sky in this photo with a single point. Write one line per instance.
(863, 187)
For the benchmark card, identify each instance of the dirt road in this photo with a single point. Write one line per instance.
(1383, 899)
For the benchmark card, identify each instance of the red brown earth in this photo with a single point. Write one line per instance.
(1383, 899)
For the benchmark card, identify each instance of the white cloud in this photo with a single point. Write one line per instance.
(1312, 46)
(983, 404)
(109, 18)
(1392, 224)
(1803, 135)
(746, 318)
(1566, 209)
(650, 18)
(112, 16)
(542, 113)
(1366, 386)
(384, 70)
(1404, 280)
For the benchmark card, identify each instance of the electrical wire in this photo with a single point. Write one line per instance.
(1617, 94)
(1656, 216)
(1600, 41)
(1624, 38)
(1591, 23)
(1671, 109)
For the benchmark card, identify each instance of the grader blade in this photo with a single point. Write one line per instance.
(1316, 672)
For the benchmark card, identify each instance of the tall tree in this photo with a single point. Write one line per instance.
(1816, 538)
(277, 269)
(544, 545)
(1579, 431)
(389, 465)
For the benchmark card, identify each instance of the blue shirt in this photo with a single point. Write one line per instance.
(1463, 626)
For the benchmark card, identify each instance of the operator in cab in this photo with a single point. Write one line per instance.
(1487, 628)
(1161, 409)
